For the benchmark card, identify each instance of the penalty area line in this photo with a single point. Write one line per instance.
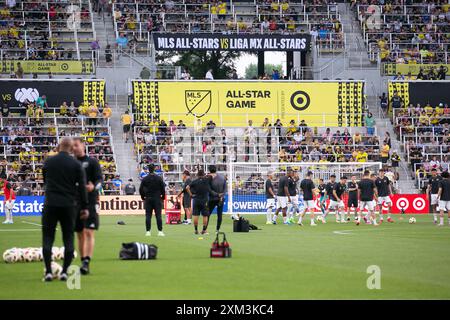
(32, 223)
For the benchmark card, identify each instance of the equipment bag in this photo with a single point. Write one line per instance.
(241, 225)
(138, 251)
(220, 249)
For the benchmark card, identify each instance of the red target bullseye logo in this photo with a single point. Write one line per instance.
(418, 204)
(402, 203)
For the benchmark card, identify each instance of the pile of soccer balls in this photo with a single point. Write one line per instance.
(31, 254)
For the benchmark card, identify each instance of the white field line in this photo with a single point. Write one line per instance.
(32, 223)
(18, 230)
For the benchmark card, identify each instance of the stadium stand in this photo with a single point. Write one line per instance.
(173, 147)
(405, 32)
(137, 19)
(425, 134)
(46, 30)
(30, 134)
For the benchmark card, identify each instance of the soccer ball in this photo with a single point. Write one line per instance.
(10, 256)
(319, 218)
(412, 220)
(28, 255)
(56, 269)
(56, 253)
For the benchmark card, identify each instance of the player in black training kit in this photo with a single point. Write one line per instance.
(293, 203)
(283, 197)
(270, 197)
(337, 202)
(432, 192)
(199, 190)
(186, 197)
(444, 197)
(308, 189)
(86, 228)
(367, 194)
(384, 188)
(329, 187)
(352, 202)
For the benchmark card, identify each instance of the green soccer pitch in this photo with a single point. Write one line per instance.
(278, 262)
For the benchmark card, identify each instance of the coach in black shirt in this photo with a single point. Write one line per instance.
(218, 186)
(65, 183)
(153, 192)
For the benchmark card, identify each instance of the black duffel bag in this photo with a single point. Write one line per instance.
(138, 251)
(241, 225)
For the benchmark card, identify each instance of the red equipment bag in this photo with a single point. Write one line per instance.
(220, 249)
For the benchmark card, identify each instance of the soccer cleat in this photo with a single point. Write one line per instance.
(148, 234)
(390, 220)
(205, 232)
(338, 221)
(440, 225)
(348, 219)
(287, 222)
(161, 234)
(300, 224)
(313, 224)
(196, 232)
(269, 222)
(375, 224)
(5, 222)
(357, 222)
(63, 277)
(48, 277)
(365, 219)
(84, 269)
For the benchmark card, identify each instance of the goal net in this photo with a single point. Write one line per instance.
(246, 191)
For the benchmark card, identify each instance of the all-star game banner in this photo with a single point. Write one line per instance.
(15, 91)
(422, 92)
(233, 103)
(231, 42)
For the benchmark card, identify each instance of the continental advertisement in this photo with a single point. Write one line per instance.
(46, 66)
(233, 103)
(392, 69)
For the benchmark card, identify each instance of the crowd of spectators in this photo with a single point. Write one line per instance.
(424, 131)
(43, 30)
(135, 19)
(406, 32)
(30, 132)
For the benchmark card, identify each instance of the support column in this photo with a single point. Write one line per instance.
(261, 63)
(289, 62)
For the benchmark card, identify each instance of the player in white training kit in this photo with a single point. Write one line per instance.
(270, 197)
(283, 197)
(432, 193)
(308, 189)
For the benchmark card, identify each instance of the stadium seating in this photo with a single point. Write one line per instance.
(424, 131)
(411, 33)
(28, 137)
(46, 30)
(174, 147)
(137, 19)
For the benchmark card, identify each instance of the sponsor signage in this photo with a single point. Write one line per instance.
(15, 91)
(338, 103)
(247, 204)
(46, 66)
(392, 69)
(231, 42)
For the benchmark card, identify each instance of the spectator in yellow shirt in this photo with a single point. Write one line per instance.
(362, 156)
(126, 122)
(385, 153)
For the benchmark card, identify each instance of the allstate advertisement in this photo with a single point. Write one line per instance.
(25, 206)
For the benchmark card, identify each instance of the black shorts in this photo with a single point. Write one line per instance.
(126, 128)
(92, 222)
(200, 207)
(187, 203)
(352, 202)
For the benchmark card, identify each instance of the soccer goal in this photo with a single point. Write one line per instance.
(246, 192)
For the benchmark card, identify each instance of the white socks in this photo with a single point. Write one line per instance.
(269, 215)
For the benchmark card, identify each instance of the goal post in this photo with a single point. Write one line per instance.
(245, 180)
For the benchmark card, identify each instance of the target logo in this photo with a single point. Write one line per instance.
(300, 100)
(410, 203)
(419, 204)
(402, 203)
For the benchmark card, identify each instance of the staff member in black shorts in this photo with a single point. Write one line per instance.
(153, 192)
(200, 190)
(352, 202)
(126, 122)
(186, 177)
(86, 228)
(65, 183)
